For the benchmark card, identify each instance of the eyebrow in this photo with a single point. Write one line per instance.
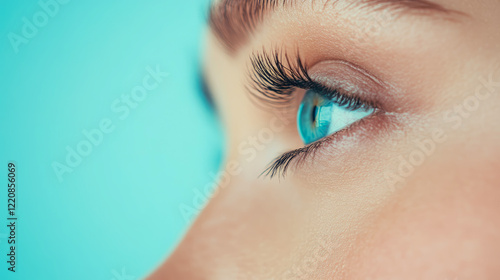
(233, 21)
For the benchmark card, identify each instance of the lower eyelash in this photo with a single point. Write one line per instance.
(280, 165)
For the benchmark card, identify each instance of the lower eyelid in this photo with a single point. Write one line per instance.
(342, 143)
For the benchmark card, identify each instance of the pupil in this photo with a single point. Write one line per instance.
(314, 111)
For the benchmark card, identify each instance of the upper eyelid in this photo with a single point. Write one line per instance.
(274, 76)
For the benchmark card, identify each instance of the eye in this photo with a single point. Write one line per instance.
(319, 116)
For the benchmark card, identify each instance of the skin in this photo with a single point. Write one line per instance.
(339, 215)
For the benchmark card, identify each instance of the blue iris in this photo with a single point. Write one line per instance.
(320, 116)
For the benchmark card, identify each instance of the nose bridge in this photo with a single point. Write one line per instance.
(192, 257)
(227, 226)
(208, 241)
(239, 222)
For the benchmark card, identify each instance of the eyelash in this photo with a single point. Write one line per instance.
(274, 78)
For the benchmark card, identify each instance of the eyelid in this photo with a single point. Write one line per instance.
(341, 98)
(275, 77)
(353, 81)
(367, 128)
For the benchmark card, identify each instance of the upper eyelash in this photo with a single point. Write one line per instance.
(273, 80)
(274, 77)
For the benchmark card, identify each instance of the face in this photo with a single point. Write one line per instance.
(362, 142)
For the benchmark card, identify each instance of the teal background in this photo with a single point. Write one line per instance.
(116, 216)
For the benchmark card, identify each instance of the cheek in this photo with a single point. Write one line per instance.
(442, 225)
